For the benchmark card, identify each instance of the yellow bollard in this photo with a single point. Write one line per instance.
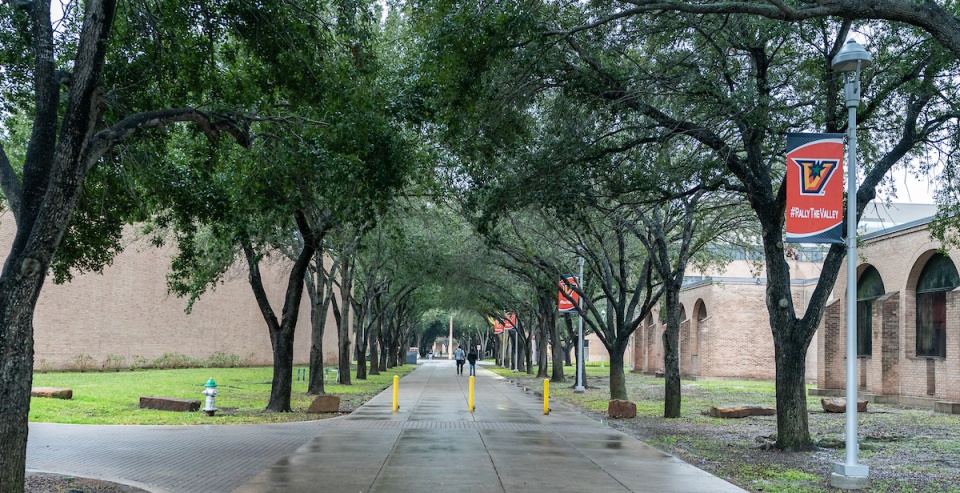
(396, 392)
(546, 397)
(471, 394)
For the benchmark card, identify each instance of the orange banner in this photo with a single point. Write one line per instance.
(510, 321)
(814, 188)
(565, 304)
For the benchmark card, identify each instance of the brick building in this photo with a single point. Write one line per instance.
(724, 328)
(908, 327)
(725, 331)
(127, 312)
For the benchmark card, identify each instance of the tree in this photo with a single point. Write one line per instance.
(744, 140)
(619, 288)
(320, 282)
(76, 123)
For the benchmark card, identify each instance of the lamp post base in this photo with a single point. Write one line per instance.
(847, 477)
(579, 389)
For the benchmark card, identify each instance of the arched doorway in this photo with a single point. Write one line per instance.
(938, 276)
(869, 288)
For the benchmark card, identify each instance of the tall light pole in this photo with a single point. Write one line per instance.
(581, 368)
(849, 61)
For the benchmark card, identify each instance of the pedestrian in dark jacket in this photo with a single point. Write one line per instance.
(472, 358)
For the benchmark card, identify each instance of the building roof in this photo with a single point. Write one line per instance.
(881, 218)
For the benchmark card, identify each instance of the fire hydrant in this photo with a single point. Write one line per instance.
(211, 392)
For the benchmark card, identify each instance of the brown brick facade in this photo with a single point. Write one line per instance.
(127, 311)
(734, 339)
(893, 369)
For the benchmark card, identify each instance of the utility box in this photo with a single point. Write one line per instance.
(411, 356)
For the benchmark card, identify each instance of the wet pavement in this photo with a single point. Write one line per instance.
(433, 441)
(506, 444)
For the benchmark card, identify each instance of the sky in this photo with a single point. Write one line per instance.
(911, 189)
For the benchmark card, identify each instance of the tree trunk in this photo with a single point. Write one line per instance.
(791, 338)
(528, 353)
(618, 382)
(17, 304)
(282, 331)
(384, 349)
(320, 292)
(542, 346)
(315, 385)
(392, 346)
(361, 347)
(559, 355)
(374, 338)
(343, 325)
(282, 385)
(571, 340)
(793, 433)
(671, 358)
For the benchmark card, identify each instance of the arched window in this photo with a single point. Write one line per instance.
(702, 312)
(683, 313)
(869, 288)
(938, 276)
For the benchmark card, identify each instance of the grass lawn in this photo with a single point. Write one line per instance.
(114, 397)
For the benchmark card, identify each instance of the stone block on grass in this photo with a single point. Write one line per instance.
(617, 408)
(732, 412)
(169, 404)
(839, 405)
(325, 404)
(52, 392)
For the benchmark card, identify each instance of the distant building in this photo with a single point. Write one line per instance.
(127, 312)
(725, 329)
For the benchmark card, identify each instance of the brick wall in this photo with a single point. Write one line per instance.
(894, 368)
(733, 341)
(126, 311)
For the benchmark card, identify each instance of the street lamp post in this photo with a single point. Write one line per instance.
(581, 368)
(603, 317)
(849, 61)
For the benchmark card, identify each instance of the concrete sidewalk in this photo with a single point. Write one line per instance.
(433, 441)
(505, 445)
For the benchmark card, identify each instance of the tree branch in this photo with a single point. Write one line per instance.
(212, 124)
(929, 16)
(10, 184)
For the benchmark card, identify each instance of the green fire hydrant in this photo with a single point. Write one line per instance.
(211, 392)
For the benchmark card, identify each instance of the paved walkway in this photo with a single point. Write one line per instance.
(433, 441)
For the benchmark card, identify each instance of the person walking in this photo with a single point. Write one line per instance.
(472, 358)
(459, 356)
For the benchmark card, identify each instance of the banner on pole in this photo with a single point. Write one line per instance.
(814, 188)
(497, 325)
(510, 321)
(565, 304)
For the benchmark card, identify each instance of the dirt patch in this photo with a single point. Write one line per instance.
(56, 483)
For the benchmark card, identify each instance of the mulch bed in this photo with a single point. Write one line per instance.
(56, 483)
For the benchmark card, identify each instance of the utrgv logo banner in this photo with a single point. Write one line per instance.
(814, 188)
(568, 303)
